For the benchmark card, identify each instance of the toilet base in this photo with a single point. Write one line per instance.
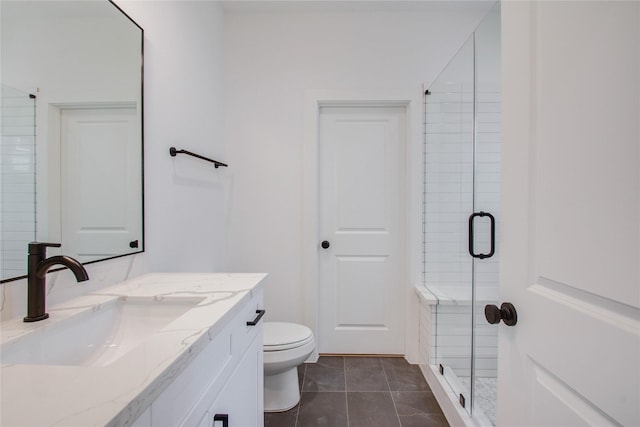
(281, 391)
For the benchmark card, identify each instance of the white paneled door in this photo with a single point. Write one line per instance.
(362, 150)
(570, 251)
(100, 150)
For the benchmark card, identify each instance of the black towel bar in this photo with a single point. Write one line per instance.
(173, 152)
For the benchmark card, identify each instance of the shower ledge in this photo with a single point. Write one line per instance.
(455, 295)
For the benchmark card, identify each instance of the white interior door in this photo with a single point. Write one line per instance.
(361, 218)
(570, 252)
(100, 150)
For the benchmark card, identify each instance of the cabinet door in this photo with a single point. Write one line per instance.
(243, 392)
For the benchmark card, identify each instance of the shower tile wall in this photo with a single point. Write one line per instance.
(488, 177)
(17, 180)
(488, 119)
(453, 341)
(448, 203)
(448, 184)
(426, 330)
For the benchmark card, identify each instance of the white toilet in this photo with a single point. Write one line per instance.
(286, 345)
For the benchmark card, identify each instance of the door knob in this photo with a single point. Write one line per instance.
(507, 313)
(325, 244)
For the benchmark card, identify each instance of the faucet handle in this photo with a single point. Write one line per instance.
(40, 248)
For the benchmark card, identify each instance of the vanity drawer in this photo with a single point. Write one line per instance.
(241, 401)
(244, 339)
(178, 398)
(185, 400)
(246, 332)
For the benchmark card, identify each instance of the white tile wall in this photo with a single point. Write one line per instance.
(445, 338)
(425, 332)
(448, 184)
(487, 177)
(17, 180)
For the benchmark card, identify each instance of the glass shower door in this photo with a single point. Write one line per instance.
(448, 201)
(487, 180)
(461, 217)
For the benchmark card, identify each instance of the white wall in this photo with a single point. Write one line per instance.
(271, 59)
(186, 205)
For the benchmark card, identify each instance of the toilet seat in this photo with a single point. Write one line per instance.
(280, 336)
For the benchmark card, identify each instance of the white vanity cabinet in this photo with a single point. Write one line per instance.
(225, 379)
(233, 407)
(184, 354)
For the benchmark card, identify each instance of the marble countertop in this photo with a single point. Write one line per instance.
(116, 394)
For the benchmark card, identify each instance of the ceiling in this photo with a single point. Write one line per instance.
(280, 6)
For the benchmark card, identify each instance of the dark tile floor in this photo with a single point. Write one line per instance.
(361, 392)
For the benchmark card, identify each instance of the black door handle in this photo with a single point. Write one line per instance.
(493, 235)
(325, 244)
(133, 244)
(507, 313)
(221, 417)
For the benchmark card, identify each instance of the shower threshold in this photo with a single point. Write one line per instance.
(484, 406)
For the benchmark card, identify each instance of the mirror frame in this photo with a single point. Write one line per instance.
(143, 244)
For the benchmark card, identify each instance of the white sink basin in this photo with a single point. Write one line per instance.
(95, 337)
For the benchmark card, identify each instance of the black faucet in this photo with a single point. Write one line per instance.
(38, 265)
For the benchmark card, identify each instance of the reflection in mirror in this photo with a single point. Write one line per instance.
(17, 180)
(71, 131)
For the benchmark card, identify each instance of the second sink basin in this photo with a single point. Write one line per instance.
(96, 337)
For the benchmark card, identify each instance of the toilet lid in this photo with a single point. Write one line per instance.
(282, 335)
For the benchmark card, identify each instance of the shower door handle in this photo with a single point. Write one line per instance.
(471, 236)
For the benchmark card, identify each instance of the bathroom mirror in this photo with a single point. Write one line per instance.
(71, 154)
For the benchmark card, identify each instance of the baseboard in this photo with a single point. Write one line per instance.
(361, 355)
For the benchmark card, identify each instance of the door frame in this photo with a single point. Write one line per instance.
(411, 99)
